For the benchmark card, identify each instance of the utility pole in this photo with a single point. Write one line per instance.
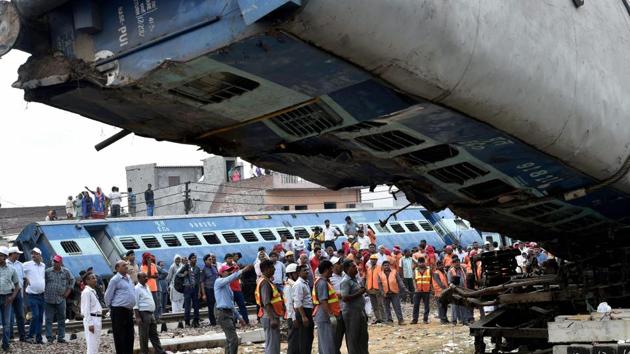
(187, 200)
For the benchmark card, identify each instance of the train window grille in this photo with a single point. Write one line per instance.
(382, 229)
(70, 247)
(192, 239)
(397, 227)
(412, 226)
(389, 141)
(425, 225)
(429, 155)
(306, 120)
(211, 238)
(150, 241)
(458, 173)
(215, 88)
(286, 233)
(129, 243)
(267, 235)
(301, 232)
(230, 237)
(460, 224)
(249, 236)
(171, 240)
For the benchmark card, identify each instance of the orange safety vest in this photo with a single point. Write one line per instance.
(423, 280)
(393, 261)
(371, 277)
(390, 284)
(333, 299)
(448, 260)
(436, 287)
(276, 299)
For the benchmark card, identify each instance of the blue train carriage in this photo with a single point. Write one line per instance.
(100, 243)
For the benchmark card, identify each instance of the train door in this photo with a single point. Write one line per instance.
(105, 243)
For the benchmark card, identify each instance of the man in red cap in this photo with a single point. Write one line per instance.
(59, 282)
(225, 312)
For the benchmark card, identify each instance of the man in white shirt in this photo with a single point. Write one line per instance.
(364, 241)
(144, 309)
(115, 198)
(34, 276)
(303, 305)
(293, 336)
(17, 315)
(381, 255)
(330, 235)
(92, 314)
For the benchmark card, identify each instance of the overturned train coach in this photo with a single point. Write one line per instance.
(101, 243)
(510, 113)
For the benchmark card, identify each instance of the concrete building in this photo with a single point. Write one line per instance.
(217, 187)
(13, 220)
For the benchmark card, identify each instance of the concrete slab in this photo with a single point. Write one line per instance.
(206, 341)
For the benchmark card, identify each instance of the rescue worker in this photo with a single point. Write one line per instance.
(374, 292)
(92, 314)
(353, 313)
(335, 280)
(225, 313)
(457, 276)
(303, 305)
(271, 307)
(391, 284)
(440, 283)
(327, 308)
(448, 256)
(422, 278)
(293, 335)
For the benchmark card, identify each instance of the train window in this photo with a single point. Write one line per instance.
(70, 247)
(192, 239)
(396, 227)
(382, 229)
(211, 238)
(129, 243)
(249, 236)
(301, 232)
(267, 235)
(412, 226)
(286, 233)
(425, 225)
(171, 240)
(150, 241)
(230, 237)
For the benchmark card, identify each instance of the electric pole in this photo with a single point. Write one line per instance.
(187, 200)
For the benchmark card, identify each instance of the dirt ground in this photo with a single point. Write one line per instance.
(408, 338)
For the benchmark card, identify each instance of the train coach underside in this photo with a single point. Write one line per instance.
(288, 106)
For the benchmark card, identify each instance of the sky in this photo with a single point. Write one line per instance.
(47, 154)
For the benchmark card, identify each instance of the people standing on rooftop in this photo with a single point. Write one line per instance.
(149, 200)
(131, 202)
(86, 205)
(78, 207)
(98, 207)
(115, 200)
(69, 208)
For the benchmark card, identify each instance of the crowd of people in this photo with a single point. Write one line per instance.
(90, 204)
(307, 284)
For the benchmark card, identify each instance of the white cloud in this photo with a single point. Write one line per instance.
(47, 154)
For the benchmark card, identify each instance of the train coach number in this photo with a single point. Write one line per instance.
(538, 174)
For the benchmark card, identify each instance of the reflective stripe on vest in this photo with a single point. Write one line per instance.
(276, 299)
(371, 277)
(423, 280)
(389, 282)
(333, 299)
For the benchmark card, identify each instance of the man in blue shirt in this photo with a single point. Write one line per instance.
(120, 298)
(225, 312)
(209, 274)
